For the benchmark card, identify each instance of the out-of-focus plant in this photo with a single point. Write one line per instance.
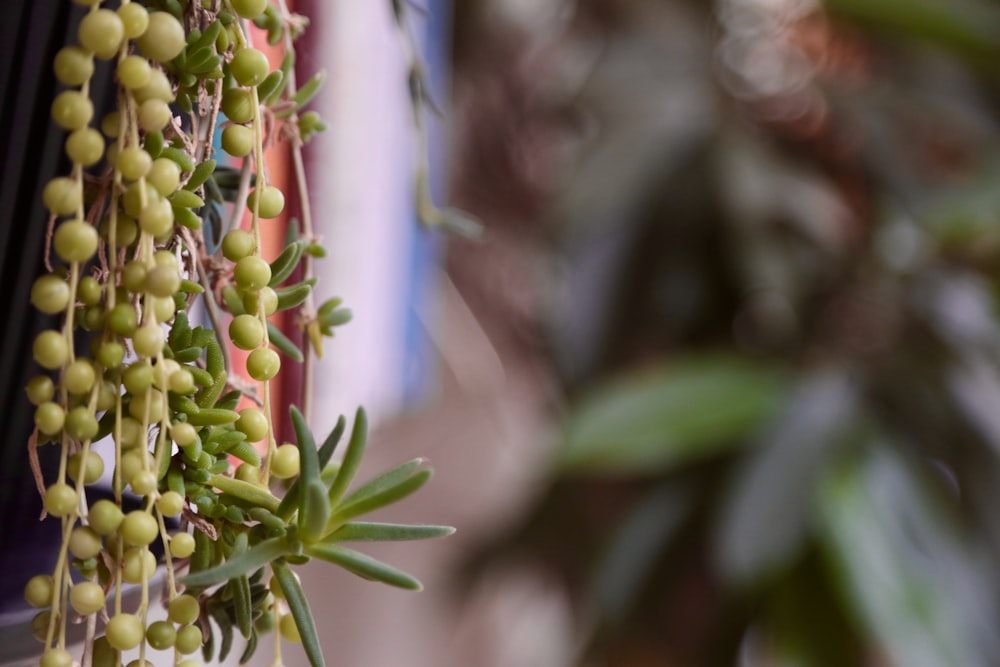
(778, 326)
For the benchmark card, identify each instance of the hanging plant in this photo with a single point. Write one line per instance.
(144, 229)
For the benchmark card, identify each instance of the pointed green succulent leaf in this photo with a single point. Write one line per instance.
(352, 458)
(291, 500)
(242, 604)
(347, 511)
(251, 493)
(299, 607)
(314, 511)
(366, 531)
(364, 566)
(260, 554)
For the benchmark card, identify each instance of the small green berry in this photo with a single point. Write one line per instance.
(264, 297)
(125, 631)
(154, 113)
(184, 609)
(143, 483)
(50, 349)
(75, 241)
(289, 631)
(163, 38)
(161, 635)
(79, 376)
(237, 104)
(139, 528)
(60, 499)
(139, 564)
(158, 88)
(249, 9)
(181, 382)
(189, 640)
(246, 332)
(81, 424)
(73, 66)
(86, 598)
(252, 273)
(263, 364)
(56, 657)
(157, 218)
(183, 433)
(104, 517)
(62, 195)
(38, 591)
(40, 389)
(182, 545)
(93, 467)
(134, 18)
(163, 280)
(237, 140)
(170, 503)
(50, 418)
(272, 201)
(134, 163)
(133, 72)
(101, 32)
(72, 110)
(285, 462)
(111, 354)
(50, 294)
(84, 542)
(85, 146)
(249, 66)
(148, 340)
(237, 244)
(253, 423)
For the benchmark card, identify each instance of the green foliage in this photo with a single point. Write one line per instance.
(779, 332)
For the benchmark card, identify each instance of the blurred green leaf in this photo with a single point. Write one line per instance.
(635, 548)
(904, 567)
(967, 28)
(770, 506)
(662, 417)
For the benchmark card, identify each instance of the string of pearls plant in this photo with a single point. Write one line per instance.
(144, 228)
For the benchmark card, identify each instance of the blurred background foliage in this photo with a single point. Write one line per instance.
(770, 234)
